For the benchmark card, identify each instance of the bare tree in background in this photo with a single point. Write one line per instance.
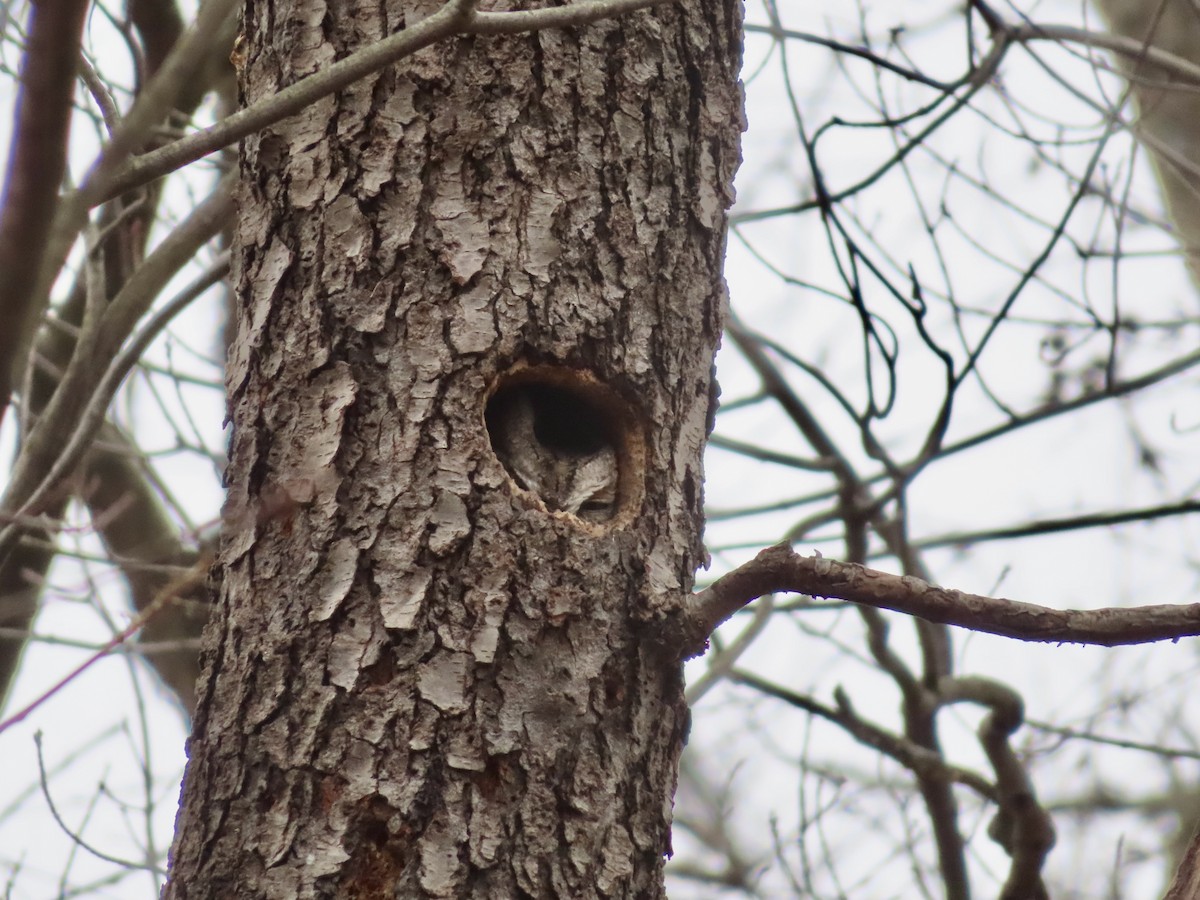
(969, 205)
(960, 336)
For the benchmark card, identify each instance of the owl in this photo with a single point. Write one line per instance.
(553, 444)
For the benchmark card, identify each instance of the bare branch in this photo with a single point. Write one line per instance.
(456, 17)
(36, 167)
(42, 464)
(152, 106)
(780, 568)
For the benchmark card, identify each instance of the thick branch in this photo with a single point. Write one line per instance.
(36, 167)
(779, 568)
(456, 17)
(1021, 826)
(65, 429)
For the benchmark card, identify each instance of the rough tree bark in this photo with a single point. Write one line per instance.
(421, 681)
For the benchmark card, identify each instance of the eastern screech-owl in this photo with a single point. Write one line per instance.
(550, 442)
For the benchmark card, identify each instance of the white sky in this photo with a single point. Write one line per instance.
(94, 730)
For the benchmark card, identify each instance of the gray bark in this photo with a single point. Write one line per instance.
(420, 680)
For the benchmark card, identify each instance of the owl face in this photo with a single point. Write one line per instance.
(571, 470)
(587, 486)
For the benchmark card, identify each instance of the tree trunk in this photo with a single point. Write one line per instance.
(1168, 107)
(427, 677)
